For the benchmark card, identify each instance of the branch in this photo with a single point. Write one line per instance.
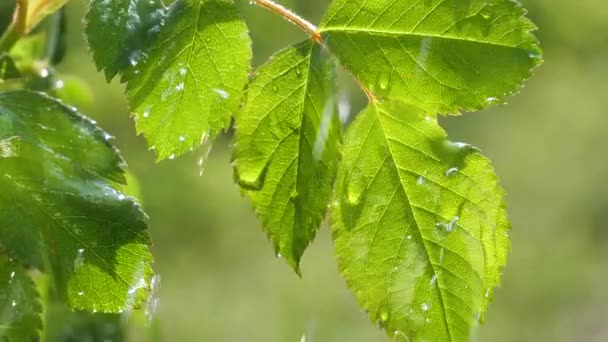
(290, 16)
(17, 27)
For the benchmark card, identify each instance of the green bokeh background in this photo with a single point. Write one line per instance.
(222, 282)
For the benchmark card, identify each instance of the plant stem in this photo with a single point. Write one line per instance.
(290, 16)
(17, 27)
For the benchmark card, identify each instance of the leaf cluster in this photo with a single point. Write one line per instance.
(419, 222)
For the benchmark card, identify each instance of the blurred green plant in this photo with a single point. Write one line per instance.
(419, 222)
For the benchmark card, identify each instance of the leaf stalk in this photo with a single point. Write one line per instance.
(290, 16)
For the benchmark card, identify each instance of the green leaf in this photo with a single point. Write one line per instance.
(62, 210)
(439, 55)
(286, 150)
(20, 307)
(194, 78)
(419, 225)
(119, 33)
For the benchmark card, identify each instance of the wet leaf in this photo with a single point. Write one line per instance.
(20, 308)
(419, 225)
(119, 33)
(62, 211)
(186, 66)
(442, 56)
(286, 150)
(193, 82)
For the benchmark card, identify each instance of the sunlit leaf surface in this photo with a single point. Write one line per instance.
(442, 56)
(61, 208)
(194, 78)
(20, 308)
(286, 150)
(419, 225)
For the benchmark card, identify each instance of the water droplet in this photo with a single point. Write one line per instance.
(451, 171)
(400, 336)
(14, 303)
(147, 113)
(183, 71)
(79, 260)
(279, 255)
(153, 301)
(449, 227)
(487, 294)
(425, 307)
(441, 253)
(275, 88)
(222, 93)
(493, 100)
(81, 293)
(420, 180)
(299, 71)
(172, 156)
(180, 86)
(409, 237)
(182, 138)
(433, 280)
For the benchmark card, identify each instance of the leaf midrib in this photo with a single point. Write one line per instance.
(414, 34)
(422, 238)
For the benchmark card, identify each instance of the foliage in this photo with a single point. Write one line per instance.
(418, 221)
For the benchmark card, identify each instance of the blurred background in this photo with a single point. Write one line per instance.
(222, 282)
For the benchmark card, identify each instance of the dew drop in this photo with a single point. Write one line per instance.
(400, 336)
(172, 156)
(275, 88)
(182, 138)
(14, 303)
(147, 113)
(492, 100)
(449, 226)
(420, 180)
(451, 171)
(433, 280)
(222, 93)
(425, 307)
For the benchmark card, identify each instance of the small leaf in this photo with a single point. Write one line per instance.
(193, 81)
(419, 226)
(286, 150)
(62, 210)
(439, 55)
(20, 307)
(119, 33)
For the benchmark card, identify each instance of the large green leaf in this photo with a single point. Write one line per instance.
(61, 206)
(439, 55)
(286, 149)
(119, 33)
(193, 80)
(20, 308)
(419, 225)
